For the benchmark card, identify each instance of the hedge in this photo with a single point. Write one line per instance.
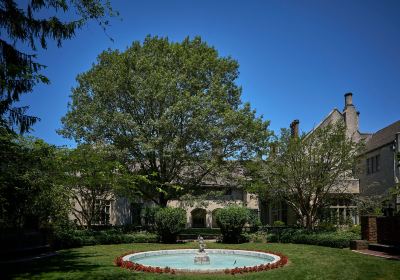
(76, 238)
(335, 239)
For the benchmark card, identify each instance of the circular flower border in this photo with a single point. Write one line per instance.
(238, 270)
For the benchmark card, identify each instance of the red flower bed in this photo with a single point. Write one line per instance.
(238, 270)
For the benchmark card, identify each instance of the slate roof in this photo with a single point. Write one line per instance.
(383, 137)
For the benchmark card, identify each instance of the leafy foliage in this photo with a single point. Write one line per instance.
(305, 171)
(31, 195)
(19, 70)
(173, 109)
(231, 221)
(336, 239)
(169, 222)
(70, 237)
(91, 175)
(148, 214)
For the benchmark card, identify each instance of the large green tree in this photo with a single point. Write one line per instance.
(307, 171)
(31, 193)
(23, 28)
(173, 108)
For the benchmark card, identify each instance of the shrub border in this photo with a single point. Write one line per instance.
(237, 270)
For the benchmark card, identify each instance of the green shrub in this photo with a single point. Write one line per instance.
(254, 221)
(65, 238)
(356, 229)
(231, 221)
(272, 237)
(169, 223)
(327, 226)
(202, 231)
(337, 239)
(255, 237)
(148, 215)
(278, 224)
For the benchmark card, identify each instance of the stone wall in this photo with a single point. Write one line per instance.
(380, 182)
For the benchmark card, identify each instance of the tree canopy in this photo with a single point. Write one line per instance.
(91, 175)
(31, 190)
(173, 108)
(19, 68)
(307, 171)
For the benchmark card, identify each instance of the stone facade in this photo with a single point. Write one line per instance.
(379, 169)
(383, 146)
(272, 211)
(203, 215)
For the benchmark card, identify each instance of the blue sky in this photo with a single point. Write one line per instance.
(297, 58)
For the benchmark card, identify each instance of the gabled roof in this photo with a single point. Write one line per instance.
(383, 137)
(327, 120)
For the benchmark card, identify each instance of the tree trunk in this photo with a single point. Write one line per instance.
(309, 221)
(163, 200)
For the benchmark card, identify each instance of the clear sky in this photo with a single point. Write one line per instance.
(297, 58)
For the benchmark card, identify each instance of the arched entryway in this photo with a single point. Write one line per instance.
(198, 218)
(214, 218)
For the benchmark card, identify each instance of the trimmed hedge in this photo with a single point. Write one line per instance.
(334, 239)
(76, 238)
(169, 223)
(231, 221)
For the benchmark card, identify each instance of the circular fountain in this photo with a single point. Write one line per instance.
(200, 261)
(220, 259)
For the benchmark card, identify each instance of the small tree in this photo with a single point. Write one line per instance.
(231, 221)
(169, 223)
(306, 171)
(91, 175)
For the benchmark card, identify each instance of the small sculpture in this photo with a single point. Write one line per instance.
(202, 244)
(201, 257)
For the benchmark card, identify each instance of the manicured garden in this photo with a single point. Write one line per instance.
(305, 262)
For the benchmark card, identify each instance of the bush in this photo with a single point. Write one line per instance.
(256, 237)
(231, 221)
(356, 229)
(169, 223)
(278, 224)
(70, 238)
(254, 221)
(148, 216)
(337, 239)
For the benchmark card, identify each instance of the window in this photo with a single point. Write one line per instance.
(373, 164)
(377, 163)
(104, 209)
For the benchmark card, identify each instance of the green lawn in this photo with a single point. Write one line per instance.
(306, 262)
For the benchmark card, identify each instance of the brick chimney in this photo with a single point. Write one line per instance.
(350, 117)
(294, 128)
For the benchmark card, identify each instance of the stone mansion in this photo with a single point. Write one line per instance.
(379, 171)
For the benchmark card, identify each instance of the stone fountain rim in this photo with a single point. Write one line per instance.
(208, 251)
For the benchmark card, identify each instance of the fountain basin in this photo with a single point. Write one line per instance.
(220, 259)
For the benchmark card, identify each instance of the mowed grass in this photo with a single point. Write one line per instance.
(305, 262)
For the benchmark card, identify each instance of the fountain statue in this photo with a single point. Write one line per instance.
(201, 256)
